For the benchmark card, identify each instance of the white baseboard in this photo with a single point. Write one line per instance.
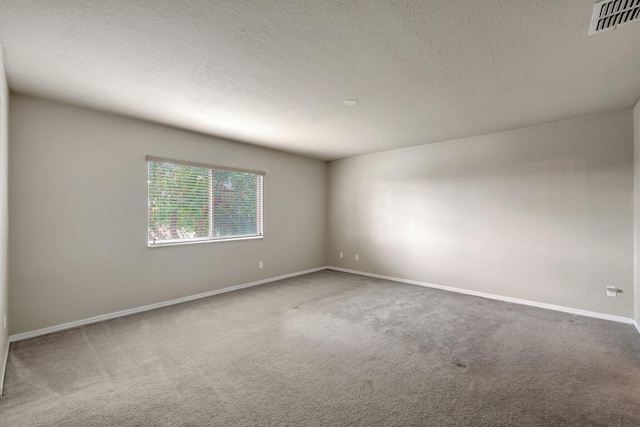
(499, 297)
(3, 367)
(102, 318)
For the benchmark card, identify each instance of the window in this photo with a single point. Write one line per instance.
(190, 202)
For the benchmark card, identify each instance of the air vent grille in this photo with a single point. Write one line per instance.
(609, 14)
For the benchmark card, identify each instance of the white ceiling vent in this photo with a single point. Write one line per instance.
(609, 14)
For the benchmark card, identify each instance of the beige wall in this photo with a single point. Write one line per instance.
(636, 211)
(78, 229)
(542, 213)
(4, 143)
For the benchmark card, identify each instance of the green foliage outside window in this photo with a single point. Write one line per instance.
(181, 198)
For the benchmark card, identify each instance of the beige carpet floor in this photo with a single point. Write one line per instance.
(330, 349)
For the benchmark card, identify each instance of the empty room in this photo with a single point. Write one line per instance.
(320, 213)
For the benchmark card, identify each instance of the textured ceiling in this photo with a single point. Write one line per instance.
(276, 73)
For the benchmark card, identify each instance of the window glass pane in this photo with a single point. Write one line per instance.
(234, 203)
(178, 202)
(196, 202)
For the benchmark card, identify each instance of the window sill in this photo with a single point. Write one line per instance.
(198, 242)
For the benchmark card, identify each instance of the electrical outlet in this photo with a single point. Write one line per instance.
(357, 257)
(612, 291)
(341, 254)
(260, 264)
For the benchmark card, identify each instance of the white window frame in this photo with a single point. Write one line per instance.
(211, 238)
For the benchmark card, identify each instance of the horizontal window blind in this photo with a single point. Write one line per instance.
(189, 202)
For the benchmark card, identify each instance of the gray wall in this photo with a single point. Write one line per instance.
(636, 211)
(78, 216)
(542, 213)
(4, 143)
